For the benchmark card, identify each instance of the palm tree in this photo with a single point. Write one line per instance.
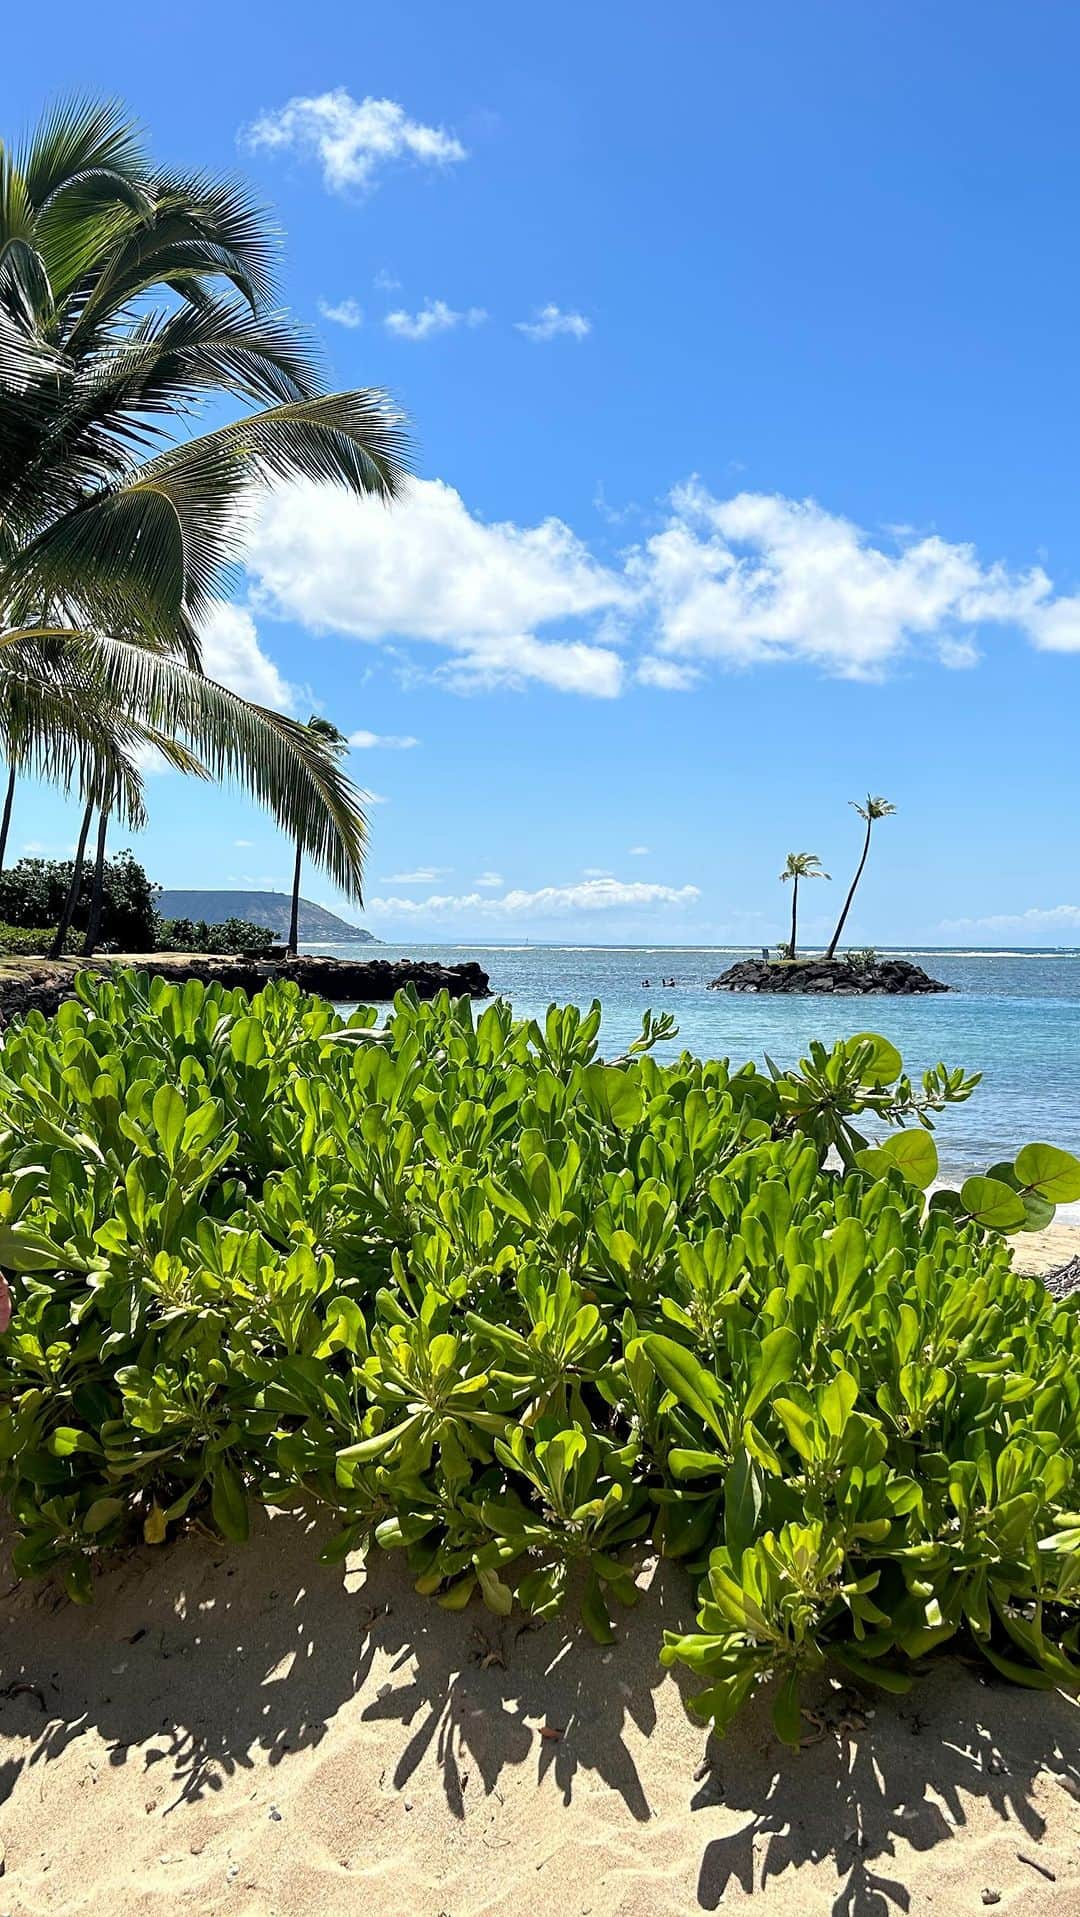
(800, 865)
(872, 810)
(129, 297)
(117, 786)
(334, 744)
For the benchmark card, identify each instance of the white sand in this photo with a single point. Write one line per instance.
(243, 1730)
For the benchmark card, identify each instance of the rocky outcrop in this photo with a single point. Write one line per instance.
(43, 984)
(832, 976)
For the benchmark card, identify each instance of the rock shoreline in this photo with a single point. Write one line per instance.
(835, 977)
(43, 984)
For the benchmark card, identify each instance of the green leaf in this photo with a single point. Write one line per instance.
(885, 1063)
(1051, 1173)
(742, 1503)
(913, 1153)
(991, 1204)
(228, 1503)
(786, 1715)
(680, 1371)
(247, 1041)
(612, 1095)
(101, 1513)
(777, 1358)
(170, 1113)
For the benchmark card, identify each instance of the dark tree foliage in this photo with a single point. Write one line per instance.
(228, 936)
(32, 893)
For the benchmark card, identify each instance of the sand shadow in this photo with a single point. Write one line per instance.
(201, 1662)
(897, 1777)
(201, 1657)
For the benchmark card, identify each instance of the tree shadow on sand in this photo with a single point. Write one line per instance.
(203, 1656)
(194, 1661)
(886, 1774)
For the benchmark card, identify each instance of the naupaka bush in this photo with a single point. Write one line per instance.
(522, 1314)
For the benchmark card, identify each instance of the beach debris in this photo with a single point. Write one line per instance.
(1034, 1864)
(991, 1896)
(273, 1814)
(484, 1653)
(837, 1718)
(552, 1733)
(1069, 1784)
(232, 1872)
(384, 1690)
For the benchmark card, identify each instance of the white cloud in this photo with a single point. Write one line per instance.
(548, 322)
(1056, 627)
(666, 675)
(735, 582)
(589, 896)
(1037, 918)
(374, 798)
(353, 140)
(386, 282)
(428, 570)
(384, 741)
(435, 316)
(347, 312)
(424, 875)
(490, 880)
(639, 851)
(760, 577)
(232, 654)
(243, 845)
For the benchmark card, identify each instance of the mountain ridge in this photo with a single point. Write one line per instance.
(272, 909)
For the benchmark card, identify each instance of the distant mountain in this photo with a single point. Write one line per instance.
(272, 909)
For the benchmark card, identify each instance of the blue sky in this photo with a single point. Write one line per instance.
(743, 355)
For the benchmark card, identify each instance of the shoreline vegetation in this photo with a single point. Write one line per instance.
(375, 1517)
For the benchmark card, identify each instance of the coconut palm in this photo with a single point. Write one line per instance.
(334, 744)
(799, 865)
(129, 297)
(873, 810)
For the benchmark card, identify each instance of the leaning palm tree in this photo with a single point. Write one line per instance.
(872, 810)
(334, 744)
(129, 297)
(800, 865)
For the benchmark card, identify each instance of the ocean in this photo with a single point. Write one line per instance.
(1014, 1016)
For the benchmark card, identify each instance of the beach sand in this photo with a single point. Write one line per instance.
(241, 1729)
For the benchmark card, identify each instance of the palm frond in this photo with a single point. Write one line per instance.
(145, 554)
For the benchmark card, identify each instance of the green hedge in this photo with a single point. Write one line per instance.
(18, 940)
(521, 1315)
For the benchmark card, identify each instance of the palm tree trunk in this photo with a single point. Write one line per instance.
(294, 922)
(794, 913)
(835, 940)
(56, 950)
(5, 823)
(97, 900)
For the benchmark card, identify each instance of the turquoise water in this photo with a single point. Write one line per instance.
(1014, 1016)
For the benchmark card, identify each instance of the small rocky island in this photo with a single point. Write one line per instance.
(39, 984)
(838, 977)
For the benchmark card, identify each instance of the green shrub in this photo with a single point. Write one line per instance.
(32, 893)
(232, 936)
(516, 1312)
(17, 940)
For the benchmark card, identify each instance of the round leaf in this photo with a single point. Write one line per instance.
(991, 1203)
(1051, 1173)
(885, 1062)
